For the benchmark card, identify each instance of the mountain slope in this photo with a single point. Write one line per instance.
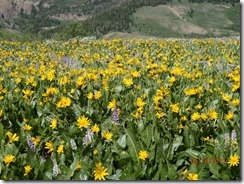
(186, 18)
(63, 19)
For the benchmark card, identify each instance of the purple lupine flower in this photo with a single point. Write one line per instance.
(216, 141)
(30, 143)
(55, 166)
(88, 137)
(47, 118)
(73, 144)
(233, 135)
(115, 115)
(55, 169)
(227, 139)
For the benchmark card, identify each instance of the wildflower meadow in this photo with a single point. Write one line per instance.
(120, 110)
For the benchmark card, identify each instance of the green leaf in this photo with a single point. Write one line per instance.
(140, 127)
(171, 170)
(132, 145)
(179, 162)
(159, 150)
(194, 127)
(115, 176)
(77, 109)
(72, 168)
(83, 175)
(1, 131)
(140, 172)
(115, 148)
(168, 151)
(214, 168)
(177, 142)
(122, 141)
(193, 153)
(210, 148)
(163, 170)
(48, 175)
(148, 135)
(225, 174)
(124, 155)
(186, 136)
(128, 173)
(118, 89)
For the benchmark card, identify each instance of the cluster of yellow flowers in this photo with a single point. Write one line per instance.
(141, 78)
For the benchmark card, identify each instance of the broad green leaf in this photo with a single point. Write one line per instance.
(128, 173)
(140, 127)
(186, 136)
(122, 141)
(177, 142)
(163, 170)
(83, 175)
(118, 89)
(179, 162)
(193, 153)
(48, 175)
(194, 127)
(159, 150)
(72, 168)
(171, 170)
(169, 151)
(225, 174)
(140, 172)
(115, 148)
(132, 145)
(115, 176)
(147, 135)
(214, 168)
(1, 131)
(124, 155)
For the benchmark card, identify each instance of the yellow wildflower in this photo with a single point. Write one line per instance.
(8, 159)
(175, 108)
(83, 122)
(27, 127)
(192, 176)
(95, 128)
(12, 137)
(27, 170)
(112, 104)
(184, 172)
(213, 114)
(60, 149)
(97, 94)
(128, 81)
(195, 116)
(54, 123)
(49, 146)
(143, 154)
(64, 102)
(234, 160)
(100, 172)
(108, 135)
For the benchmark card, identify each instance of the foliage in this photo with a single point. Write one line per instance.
(120, 110)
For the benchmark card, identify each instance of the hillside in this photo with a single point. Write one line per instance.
(64, 19)
(187, 19)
